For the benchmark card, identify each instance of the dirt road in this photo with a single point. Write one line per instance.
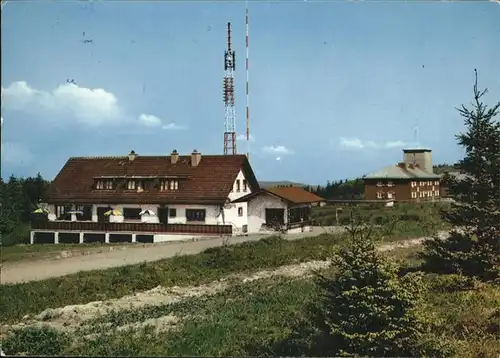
(17, 272)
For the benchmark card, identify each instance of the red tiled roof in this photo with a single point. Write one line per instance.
(295, 195)
(209, 182)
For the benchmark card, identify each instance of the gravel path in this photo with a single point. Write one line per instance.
(17, 272)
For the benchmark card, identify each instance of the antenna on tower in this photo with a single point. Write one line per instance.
(228, 92)
(416, 133)
(247, 93)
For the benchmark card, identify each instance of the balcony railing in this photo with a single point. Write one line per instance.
(131, 227)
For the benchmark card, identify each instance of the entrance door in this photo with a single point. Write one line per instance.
(275, 216)
(100, 215)
(163, 215)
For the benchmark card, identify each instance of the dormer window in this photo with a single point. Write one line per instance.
(99, 185)
(169, 185)
(174, 185)
(140, 186)
(131, 185)
(108, 184)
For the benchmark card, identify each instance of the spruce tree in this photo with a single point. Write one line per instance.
(366, 309)
(473, 247)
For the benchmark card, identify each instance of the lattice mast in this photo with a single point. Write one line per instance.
(247, 93)
(228, 91)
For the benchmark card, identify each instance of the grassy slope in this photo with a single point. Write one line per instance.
(414, 219)
(212, 264)
(251, 318)
(43, 251)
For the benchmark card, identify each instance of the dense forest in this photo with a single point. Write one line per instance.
(18, 198)
(341, 189)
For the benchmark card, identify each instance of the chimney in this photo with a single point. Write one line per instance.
(402, 165)
(174, 157)
(131, 156)
(419, 157)
(195, 158)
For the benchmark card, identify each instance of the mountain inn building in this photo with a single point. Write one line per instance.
(412, 180)
(150, 199)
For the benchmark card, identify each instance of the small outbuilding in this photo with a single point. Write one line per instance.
(285, 209)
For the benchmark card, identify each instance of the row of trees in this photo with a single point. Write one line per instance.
(341, 189)
(18, 198)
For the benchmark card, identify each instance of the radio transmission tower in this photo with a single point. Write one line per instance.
(228, 90)
(247, 93)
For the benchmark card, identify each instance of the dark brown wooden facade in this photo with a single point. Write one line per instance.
(402, 189)
(131, 227)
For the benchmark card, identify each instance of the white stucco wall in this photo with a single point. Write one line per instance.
(257, 210)
(232, 218)
(234, 194)
(211, 212)
(211, 217)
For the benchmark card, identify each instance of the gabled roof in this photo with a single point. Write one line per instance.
(401, 172)
(209, 182)
(294, 195)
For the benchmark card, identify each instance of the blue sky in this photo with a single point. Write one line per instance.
(336, 88)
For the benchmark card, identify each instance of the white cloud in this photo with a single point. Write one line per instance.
(90, 106)
(172, 126)
(276, 149)
(244, 137)
(152, 121)
(149, 120)
(16, 154)
(358, 144)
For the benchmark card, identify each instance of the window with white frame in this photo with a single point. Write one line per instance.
(245, 185)
(108, 185)
(390, 183)
(413, 194)
(238, 185)
(436, 193)
(379, 183)
(163, 185)
(413, 184)
(389, 195)
(99, 185)
(174, 185)
(131, 185)
(436, 182)
(422, 183)
(240, 211)
(380, 195)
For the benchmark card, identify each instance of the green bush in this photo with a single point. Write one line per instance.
(36, 341)
(20, 235)
(452, 283)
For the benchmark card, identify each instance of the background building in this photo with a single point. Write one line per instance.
(411, 180)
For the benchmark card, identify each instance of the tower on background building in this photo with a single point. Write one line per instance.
(228, 92)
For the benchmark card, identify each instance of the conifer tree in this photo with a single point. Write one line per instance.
(366, 309)
(473, 247)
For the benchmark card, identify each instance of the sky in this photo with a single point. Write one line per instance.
(337, 89)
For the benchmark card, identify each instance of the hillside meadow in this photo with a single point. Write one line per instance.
(246, 299)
